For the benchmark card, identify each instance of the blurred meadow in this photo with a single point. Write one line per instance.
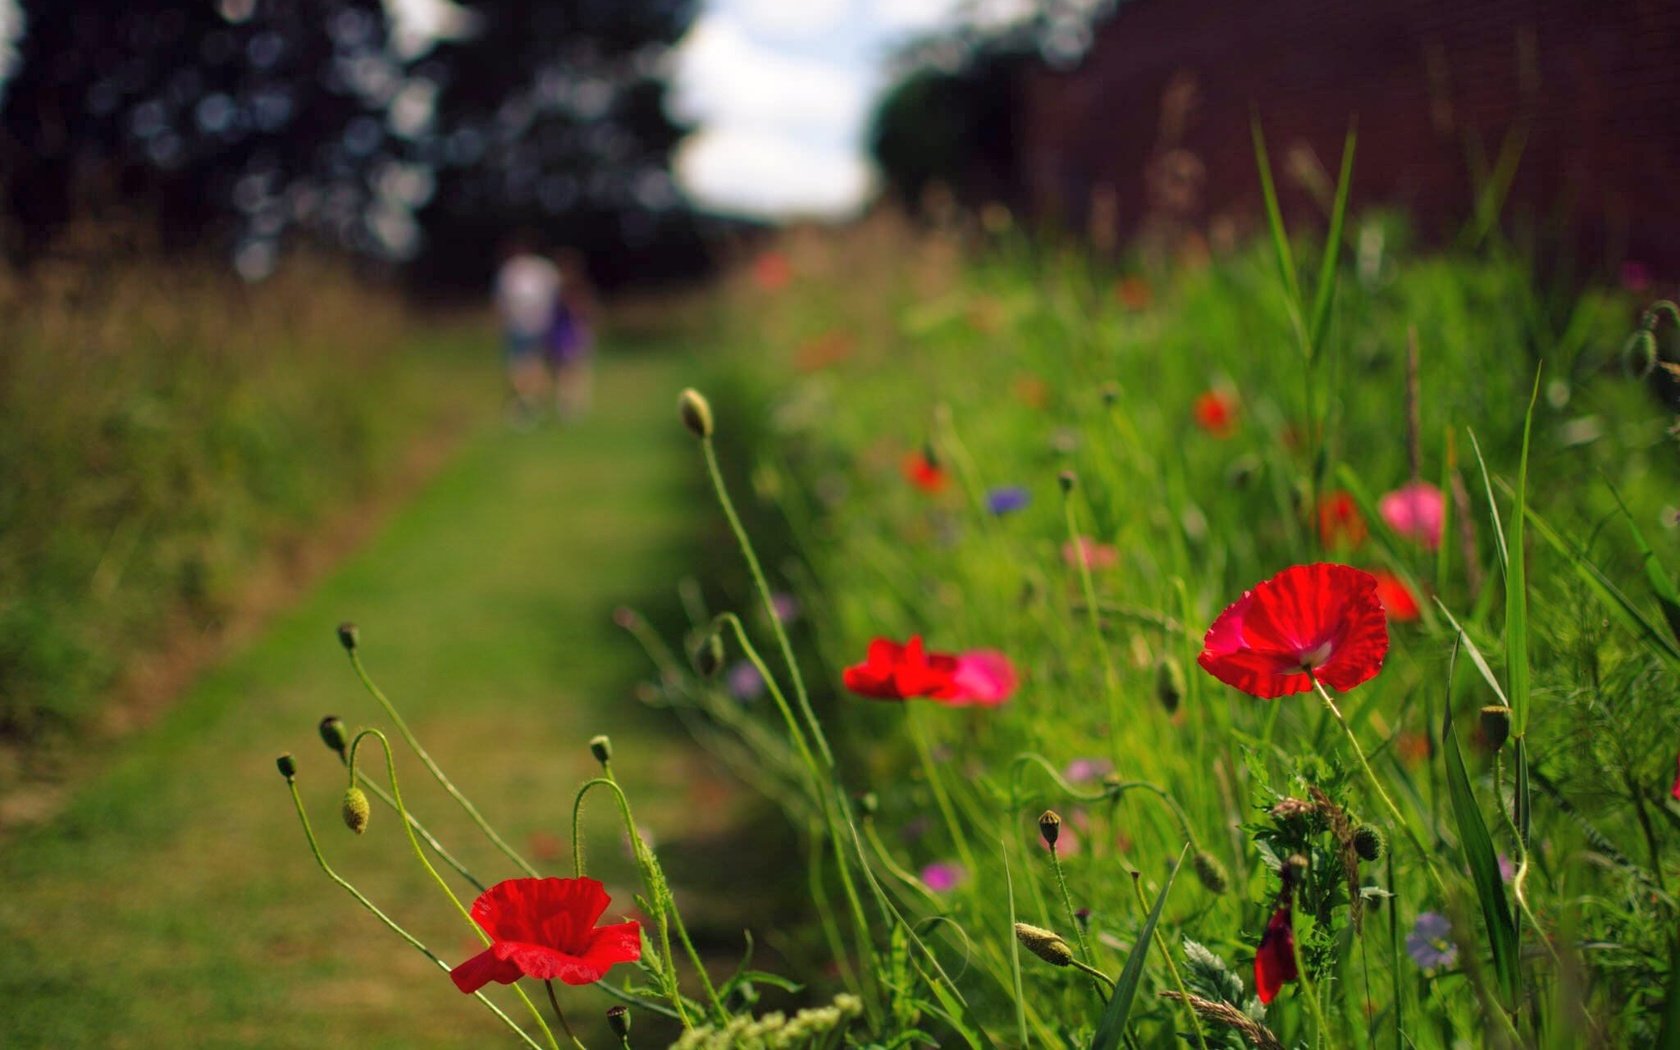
(855, 479)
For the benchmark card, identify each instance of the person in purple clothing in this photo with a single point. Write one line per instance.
(568, 348)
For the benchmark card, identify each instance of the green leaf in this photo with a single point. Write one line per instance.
(1477, 844)
(1668, 1038)
(1325, 291)
(1516, 588)
(1476, 656)
(1113, 1024)
(1662, 585)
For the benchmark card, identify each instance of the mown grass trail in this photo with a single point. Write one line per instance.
(173, 902)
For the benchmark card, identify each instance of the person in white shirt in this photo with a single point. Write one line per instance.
(527, 293)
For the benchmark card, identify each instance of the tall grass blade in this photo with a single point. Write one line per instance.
(1477, 844)
(1516, 588)
(1668, 1037)
(1325, 291)
(1662, 584)
(1274, 222)
(1113, 1024)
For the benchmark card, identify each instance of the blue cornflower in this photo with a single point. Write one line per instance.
(1428, 945)
(1007, 498)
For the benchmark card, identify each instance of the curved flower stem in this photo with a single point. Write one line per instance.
(763, 586)
(431, 840)
(751, 652)
(1172, 967)
(1376, 786)
(391, 924)
(420, 853)
(1309, 991)
(894, 868)
(1096, 975)
(436, 770)
(1110, 791)
(561, 1014)
(655, 899)
(936, 784)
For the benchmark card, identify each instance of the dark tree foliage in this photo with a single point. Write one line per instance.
(955, 129)
(240, 124)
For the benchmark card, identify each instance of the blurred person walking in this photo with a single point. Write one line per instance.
(570, 345)
(527, 294)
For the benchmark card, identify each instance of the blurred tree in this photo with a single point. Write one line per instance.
(410, 130)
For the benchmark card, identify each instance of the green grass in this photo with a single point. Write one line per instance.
(174, 903)
(1016, 363)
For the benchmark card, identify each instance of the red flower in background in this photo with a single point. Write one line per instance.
(1216, 413)
(545, 928)
(1397, 599)
(1093, 554)
(1676, 790)
(772, 271)
(898, 672)
(1274, 960)
(924, 473)
(1339, 521)
(1416, 511)
(1320, 620)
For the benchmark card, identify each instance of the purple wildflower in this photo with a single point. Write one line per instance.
(1428, 943)
(1082, 769)
(786, 606)
(743, 681)
(1007, 498)
(943, 876)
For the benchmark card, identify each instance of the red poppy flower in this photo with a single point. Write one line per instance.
(1676, 790)
(1216, 413)
(772, 271)
(1274, 960)
(897, 672)
(1397, 599)
(983, 677)
(1339, 521)
(545, 928)
(923, 472)
(1320, 620)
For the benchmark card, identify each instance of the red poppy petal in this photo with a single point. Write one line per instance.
(608, 946)
(481, 969)
(1274, 960)
(1263, 675)
(569, 908)
(1358, 655)
(541, 961)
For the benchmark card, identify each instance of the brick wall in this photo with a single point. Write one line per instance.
(1596, 84)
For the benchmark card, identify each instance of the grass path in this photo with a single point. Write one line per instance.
(173, 902)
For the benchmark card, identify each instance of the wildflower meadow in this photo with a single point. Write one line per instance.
(1267, 648)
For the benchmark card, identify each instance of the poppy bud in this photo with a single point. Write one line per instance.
(1066, 479)
(287, 766)
(601, 748)
(1110, 393)
(333, 734)
(696, 413)
(1294, 869)
(1169, 683)
(1045, 944)
(625, 617)
(1496, 725)
(868, 803)
(356, 810)
(1050, 826)
(1083, 918)
(1368, 842)
(1210, 872)
(708, 655)
(618, 1019)
(349, 636)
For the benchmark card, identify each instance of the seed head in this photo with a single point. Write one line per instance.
(1368, 842)
(1045, 944)
(1050, 826)
(1496, 725)
(1169, 683)
(287, 766)
(601, 747)
(708, 655)
(349, 636)
(1293, 808)
(1210, 872)
(618, 1019)
(356, 810)
(696, 413)
(1067, 480)
(333, 734)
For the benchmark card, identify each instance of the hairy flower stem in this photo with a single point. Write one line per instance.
(554, 1000)
(936, 784)
(1111, 679)
(420, 854)
(652, 880)
(391, 924)
(436, 770)
(1376, 787)
(1166, 953)
(1073, 920)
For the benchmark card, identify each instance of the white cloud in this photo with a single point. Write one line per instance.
(912, 16)
(796, 18)
(721, 75)
(761, 173)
